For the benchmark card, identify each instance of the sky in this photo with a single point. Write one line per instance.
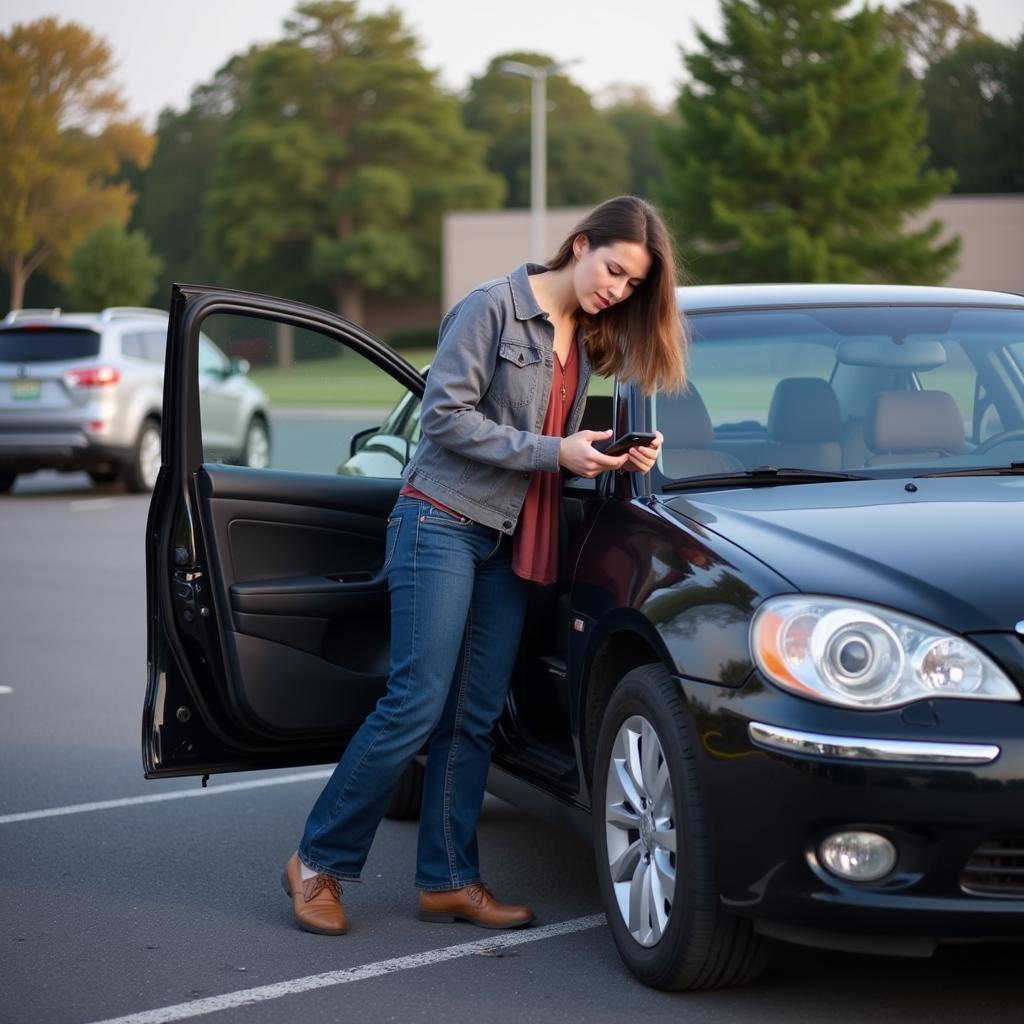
(164, 48)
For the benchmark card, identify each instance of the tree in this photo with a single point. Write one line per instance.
(63, 138)
(799, 155)
(342, 158)
(928, 30)
(974, 97)
(171, 190)
(587, 158)
(111, 267)
(634, 115)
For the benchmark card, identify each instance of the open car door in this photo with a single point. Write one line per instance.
(267, 602)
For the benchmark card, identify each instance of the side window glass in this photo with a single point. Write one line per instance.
(155, 346)
(282, 397)
(133, 346)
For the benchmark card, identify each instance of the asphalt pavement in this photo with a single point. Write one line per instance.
(157, 901)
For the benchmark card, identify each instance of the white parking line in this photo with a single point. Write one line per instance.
(177, 794)
(244, 997)
(6, 689)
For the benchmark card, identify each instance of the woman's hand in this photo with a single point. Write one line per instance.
(640, 460)
(578, 455)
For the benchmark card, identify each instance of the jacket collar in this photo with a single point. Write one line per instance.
(523, 300)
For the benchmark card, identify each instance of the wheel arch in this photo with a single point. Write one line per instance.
(626, 641)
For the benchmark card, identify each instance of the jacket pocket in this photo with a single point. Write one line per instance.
(517, 373)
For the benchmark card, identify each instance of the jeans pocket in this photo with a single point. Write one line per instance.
(391, 541)
(442, 518)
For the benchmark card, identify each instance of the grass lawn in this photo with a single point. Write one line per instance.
(344, 380)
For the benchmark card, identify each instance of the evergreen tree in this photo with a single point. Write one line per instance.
(800, 152)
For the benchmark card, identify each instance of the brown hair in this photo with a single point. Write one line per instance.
(642, 339)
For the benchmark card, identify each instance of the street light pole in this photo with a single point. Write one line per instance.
(538, 166)
(538, 147)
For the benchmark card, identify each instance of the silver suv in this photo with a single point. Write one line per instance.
(83, 391)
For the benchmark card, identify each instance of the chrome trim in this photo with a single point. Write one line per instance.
(1020, 627)
(856, 748)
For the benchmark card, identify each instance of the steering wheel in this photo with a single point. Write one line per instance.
(997, 439)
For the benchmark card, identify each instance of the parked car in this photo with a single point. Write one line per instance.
(83, 391)
(779, 681)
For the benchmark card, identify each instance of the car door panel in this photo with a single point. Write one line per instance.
(268, 639)
(304, 596)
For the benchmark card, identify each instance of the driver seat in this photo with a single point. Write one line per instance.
(688, 449)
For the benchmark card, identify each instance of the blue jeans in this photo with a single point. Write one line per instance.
(456, 617)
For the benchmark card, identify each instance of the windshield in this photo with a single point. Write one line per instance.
(870, 391)
(47, 344)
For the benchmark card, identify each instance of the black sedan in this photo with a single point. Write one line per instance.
(779, 682)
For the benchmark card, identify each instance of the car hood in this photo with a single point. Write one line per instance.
(950, 551)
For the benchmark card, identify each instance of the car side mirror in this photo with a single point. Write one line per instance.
(237, 367)
(359, 439)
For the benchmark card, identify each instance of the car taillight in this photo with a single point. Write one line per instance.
(92, 377)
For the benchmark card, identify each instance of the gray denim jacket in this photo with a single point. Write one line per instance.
(485, 401)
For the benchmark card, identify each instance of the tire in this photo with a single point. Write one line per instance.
(7, 481)
(141, 470)
(679, 938)
(408, 795)
(256, 449)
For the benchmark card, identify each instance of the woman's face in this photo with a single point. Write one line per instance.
(607, 274)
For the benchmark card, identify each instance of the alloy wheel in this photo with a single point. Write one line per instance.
(640, 830)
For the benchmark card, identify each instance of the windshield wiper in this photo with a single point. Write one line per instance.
(1013, 469)
(761, 475)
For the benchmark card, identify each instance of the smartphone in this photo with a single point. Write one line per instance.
(621, 445)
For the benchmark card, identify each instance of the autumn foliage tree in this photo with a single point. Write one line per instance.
(64, 137)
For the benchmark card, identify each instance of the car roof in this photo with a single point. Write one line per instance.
(134, 316)
(703, 298)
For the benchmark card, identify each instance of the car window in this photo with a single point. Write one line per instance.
(211, 359)
(328, 410)
(844, 389)
(147, 345)
(155, 346)
(134, 345)
(41, 344)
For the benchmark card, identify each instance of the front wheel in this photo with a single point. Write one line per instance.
(653, 848)
(143, 466)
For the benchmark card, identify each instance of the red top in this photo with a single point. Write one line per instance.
(413, 493)
(535, 544)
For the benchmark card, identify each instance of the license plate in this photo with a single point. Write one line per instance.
(26, 390)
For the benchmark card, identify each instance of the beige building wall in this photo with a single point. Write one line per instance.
(486, 244)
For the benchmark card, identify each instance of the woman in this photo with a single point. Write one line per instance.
(476, 519)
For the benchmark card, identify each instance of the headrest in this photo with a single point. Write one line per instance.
(913, 421)
(684, 420)
(804, 410)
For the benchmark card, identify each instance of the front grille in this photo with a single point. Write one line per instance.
(996, 868)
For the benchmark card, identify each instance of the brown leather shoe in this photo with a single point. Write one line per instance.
(473, 903)
(316, 902)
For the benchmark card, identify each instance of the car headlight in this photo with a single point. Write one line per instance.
(862, 656)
